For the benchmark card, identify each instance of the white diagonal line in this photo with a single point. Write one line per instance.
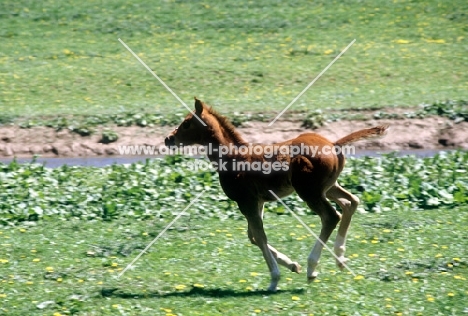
(310, 231)
(159, 235)
(312, 82)
(160, 80)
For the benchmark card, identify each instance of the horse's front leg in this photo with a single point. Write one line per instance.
(257, 234)
(281, 258)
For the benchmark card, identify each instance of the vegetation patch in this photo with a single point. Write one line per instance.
(109, 136)
(314, 120)
(160, 187)
(76, 122)
(454, 110)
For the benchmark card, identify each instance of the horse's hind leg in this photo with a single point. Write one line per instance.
(311, 182)
(348, 203)
(330, 218)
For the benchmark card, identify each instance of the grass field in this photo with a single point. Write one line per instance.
(67, 233)
(406, 264)
(60, 58)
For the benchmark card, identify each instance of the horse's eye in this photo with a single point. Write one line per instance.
(186, 124)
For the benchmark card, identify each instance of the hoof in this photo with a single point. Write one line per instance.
(312, 277)
(272, 288)
(341, 262)
(295, 267)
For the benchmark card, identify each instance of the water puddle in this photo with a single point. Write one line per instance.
(110, 160)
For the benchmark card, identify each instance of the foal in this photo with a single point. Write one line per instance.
(312, 175)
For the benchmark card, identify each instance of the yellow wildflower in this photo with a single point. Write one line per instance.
(402, 41)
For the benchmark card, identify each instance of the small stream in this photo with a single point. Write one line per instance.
(110, 160)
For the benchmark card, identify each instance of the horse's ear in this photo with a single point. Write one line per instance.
(198, 106)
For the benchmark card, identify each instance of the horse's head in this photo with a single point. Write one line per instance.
(193, 129)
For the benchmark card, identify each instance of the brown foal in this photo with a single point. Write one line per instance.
(313, 175)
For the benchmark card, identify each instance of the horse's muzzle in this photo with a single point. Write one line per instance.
(169, 141)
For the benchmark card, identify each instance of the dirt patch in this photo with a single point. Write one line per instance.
(428, 133)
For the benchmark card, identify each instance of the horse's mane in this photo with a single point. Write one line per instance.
(227, 126)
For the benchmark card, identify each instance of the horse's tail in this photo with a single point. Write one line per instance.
(367, 133)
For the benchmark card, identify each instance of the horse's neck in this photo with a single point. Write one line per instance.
(222, 140)
(223, 150)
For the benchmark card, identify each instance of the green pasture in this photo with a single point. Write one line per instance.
(64, 57)
(405, 264)
(67, 233)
